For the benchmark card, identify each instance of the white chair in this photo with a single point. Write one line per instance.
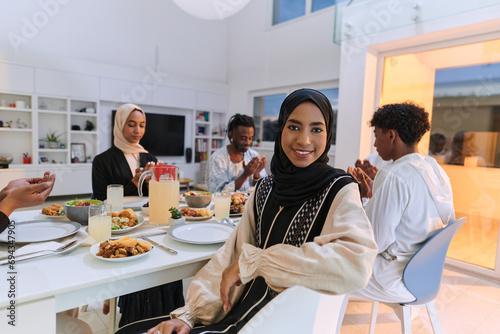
(66, 325)
(202, 184)
(297, 310)
(422, 277)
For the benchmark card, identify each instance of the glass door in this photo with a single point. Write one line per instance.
(460, 88)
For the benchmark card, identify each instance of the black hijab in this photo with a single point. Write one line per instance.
(294, 185)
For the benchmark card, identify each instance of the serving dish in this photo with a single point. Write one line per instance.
(94, 249)
(140, 220)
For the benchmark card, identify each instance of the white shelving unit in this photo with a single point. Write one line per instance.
(41, 115)
(16, 131)
(209, 133)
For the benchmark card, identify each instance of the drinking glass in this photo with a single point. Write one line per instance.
(222, 204)
(115, 197)
(100, 222)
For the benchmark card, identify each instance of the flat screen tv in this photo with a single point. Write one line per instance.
(164, 134)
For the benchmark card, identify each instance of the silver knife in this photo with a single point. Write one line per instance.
(170, 250)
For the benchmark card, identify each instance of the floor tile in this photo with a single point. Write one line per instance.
(491, 324)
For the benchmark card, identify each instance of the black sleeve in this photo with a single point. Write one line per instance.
(100, 178)
(111, 167)
(4, 221)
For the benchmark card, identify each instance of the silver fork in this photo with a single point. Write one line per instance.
(33, 255)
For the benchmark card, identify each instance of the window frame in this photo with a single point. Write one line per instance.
(308, 13)
(269, 145)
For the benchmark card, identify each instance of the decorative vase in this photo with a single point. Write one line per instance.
(53, 144)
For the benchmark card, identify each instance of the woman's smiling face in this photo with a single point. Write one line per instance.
(304, 136)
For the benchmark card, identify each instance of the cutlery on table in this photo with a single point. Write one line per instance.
(170, 250)
(228, 220)
(41, 253)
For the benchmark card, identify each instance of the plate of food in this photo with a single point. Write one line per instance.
(238, 201)
(197, 214)
(121, 250)
(200, 233)
(124, 221)
(54, 211)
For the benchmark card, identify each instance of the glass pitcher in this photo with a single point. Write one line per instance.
(163, 192)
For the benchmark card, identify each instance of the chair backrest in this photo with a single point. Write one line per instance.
(422, 274)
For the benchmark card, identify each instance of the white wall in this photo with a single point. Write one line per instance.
(112, 38)
(293, 53)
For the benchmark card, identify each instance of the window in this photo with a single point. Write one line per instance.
(286, 10)
(266, 109)
(265, 114)
(321, 4)
(466, 116)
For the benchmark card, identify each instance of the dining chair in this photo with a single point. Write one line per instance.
(422, 277)
(297, 310)
(68, 324)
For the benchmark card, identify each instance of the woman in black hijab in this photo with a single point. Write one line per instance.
(303, 225)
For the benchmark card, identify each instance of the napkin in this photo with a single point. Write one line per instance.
(34, 247)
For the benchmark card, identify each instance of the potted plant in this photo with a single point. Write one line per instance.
(176, 218)
(53, 139)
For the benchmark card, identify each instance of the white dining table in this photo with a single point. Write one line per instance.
(44, 286)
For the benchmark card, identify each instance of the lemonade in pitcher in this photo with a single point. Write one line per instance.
(163, 195)
(163, 192)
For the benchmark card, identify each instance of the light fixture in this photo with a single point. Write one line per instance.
(211, 9)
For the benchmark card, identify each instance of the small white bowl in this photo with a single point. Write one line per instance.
(145, 210)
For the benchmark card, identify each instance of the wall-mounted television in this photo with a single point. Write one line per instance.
(164, 134)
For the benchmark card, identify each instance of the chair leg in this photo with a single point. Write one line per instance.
(405, 320)
(433, 316)
(342, 313)
(373, 318)
(112, 315)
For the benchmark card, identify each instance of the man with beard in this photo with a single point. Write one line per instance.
(236, 167)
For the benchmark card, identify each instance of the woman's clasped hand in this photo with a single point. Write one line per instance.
(140, 170)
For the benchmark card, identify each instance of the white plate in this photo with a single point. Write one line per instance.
(55, 217)
(133, 202)
(95, 249)
(195, 219)
(200, 233)
(236, 214)
(140, 219)
(41, 230)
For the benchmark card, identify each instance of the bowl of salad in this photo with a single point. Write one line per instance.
(78, 209)
(198, 199)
